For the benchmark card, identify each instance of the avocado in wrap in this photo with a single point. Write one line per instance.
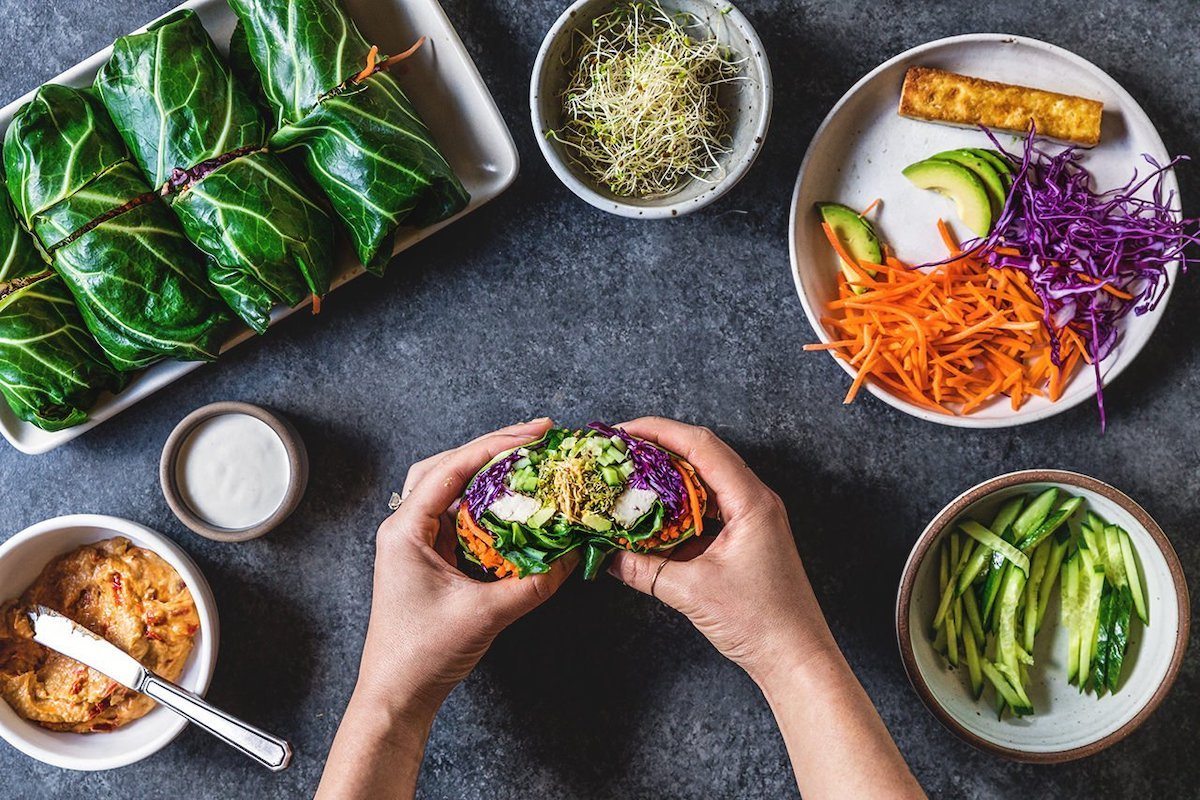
(361, 139)
(199, 137)
(598, 489)
(139, 284)
(51, 369)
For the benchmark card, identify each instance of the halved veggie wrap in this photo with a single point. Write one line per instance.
(51, 369)
(361, 139)
(200, 138)
(139, 284)
(599, 489)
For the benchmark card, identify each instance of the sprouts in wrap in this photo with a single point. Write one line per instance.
(599, 489)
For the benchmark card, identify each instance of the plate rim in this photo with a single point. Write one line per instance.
(938, 525)
(1109, 373)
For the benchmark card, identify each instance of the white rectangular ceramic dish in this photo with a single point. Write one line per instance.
(443, 83)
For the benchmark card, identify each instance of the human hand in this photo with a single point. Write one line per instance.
(745, 590)
(431, 624)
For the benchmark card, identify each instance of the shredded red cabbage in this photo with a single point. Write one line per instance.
(489, 485)
(652, 470)
(1074, 241)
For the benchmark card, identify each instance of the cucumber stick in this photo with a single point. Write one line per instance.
(1037, 572)
(988, 539)
(1058, 551)
(1049, 525)
(957, 560)
(1002, 525)
(1135, 580)
(1034, 515)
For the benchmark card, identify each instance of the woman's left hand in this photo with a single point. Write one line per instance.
(431, 624)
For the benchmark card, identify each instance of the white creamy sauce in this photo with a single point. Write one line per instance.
(233, 471)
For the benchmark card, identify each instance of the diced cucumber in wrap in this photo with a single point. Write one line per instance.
(598, 489)
(198, 135)
(139, 284)
(361, 139)
(51, 369)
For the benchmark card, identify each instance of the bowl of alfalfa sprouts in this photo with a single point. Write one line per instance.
(651, 108)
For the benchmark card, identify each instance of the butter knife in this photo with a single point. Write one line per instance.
(66, 636)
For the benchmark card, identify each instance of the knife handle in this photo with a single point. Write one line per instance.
(270, 751)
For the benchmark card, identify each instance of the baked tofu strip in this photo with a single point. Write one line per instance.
(939, 96)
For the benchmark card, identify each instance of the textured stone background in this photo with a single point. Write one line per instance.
(603, 693)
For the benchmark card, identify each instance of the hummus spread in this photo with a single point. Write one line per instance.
(124, 593)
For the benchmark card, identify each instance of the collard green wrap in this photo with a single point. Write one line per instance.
(597, 490)
(361, 139)
(51, 370)
(139, 284)
(199, 136)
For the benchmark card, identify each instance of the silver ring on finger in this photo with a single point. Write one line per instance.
(396, 501)
(657, 572)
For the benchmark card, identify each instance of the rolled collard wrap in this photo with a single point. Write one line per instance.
(361, 139)
(51, 369)
(139, 284)
(598, 489)
(199, 137)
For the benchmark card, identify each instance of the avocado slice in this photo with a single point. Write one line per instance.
(858, 237)
(540, 517)
(997, 160)
(596, 522)
(958, 183)
(997, 191)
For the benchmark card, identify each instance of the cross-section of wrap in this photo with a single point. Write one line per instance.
(51, 369)
(361, 138)
(599, 489)
(139, 284)
(201, 140)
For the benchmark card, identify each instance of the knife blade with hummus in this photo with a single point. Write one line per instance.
(124, 593)
(598, 489)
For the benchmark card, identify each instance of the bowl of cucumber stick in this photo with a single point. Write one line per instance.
(1042, 616)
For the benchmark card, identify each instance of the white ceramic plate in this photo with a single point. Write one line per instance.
(1066, 724)
(861, 147)
(442, 82)
(22, 559)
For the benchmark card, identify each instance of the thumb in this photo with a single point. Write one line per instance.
(513, 598)
(639, 571)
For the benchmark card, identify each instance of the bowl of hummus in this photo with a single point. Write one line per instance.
(127, 583)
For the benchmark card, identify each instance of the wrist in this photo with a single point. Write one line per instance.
(388, 716)
(796, 664)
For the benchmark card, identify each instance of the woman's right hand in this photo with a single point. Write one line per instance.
(746, 589)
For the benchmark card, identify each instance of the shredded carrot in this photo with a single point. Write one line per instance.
(869, 208)
(375, 65)
(316, 304)
(1108, 287)
(481, 544)
(372, 60)
(693, 494)
(951, 338)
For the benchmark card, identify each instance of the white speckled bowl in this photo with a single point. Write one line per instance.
(748, 103)
(22, 559)
(1067, 725)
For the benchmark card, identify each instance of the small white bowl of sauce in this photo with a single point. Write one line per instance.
(233, 471)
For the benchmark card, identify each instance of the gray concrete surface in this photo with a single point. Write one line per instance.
(539, 304)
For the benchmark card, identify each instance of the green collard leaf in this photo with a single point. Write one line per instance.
(51, 369)
(194, 129)
(139, 285)
(362, 142)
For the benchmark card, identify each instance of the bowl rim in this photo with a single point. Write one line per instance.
(937, 527)
(206, 607)
(1010, 419)
(665, 207)
(293, 445)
